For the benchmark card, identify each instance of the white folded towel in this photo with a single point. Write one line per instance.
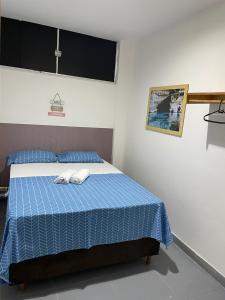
(64, 177)
(80, 176)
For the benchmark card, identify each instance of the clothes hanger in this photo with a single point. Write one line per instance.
(219, 111)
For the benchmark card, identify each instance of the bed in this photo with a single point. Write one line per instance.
(53, 229)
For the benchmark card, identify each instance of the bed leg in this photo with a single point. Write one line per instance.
(22, 286)
(148, 260)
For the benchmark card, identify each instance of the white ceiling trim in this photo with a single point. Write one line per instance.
(117, 19)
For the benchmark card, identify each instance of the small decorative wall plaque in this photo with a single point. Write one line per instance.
(56, 108)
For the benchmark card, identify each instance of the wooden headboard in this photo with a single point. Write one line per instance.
(16, 137)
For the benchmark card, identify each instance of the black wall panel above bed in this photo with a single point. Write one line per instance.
(32, 46)
(38, 44)
(10, 43)
(87, 56)
(28, 45)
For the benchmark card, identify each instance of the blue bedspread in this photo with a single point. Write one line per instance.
(44, 218)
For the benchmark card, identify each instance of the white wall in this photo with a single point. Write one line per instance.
(25, 96)
(188, 173)
(122, 103)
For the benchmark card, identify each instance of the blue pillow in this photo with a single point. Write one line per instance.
(31, 156)
(79, 157)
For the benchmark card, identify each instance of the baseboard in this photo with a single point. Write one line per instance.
(200, 261)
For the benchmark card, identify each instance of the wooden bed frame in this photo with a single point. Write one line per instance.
(51, 266)
(58, 138)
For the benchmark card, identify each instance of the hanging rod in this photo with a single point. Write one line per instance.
(205, 98)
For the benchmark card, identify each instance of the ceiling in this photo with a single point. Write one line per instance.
(115, 19)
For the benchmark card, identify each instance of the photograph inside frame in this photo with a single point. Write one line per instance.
(166, 109)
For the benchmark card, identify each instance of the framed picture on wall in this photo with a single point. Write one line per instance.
(166, 109)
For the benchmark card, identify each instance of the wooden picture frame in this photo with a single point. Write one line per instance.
(166, 109)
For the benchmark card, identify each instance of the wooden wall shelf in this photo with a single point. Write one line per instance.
(205, 98)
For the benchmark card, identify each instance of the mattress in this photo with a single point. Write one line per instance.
(44, 218)
(54, 169)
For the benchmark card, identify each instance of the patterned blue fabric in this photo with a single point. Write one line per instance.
(79, 157)
(31, 156)
(44, 218)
